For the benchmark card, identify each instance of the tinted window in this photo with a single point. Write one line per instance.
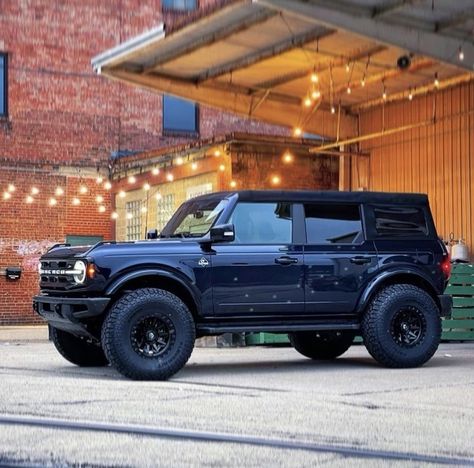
(179, 115)
(262, 223)
(333, 224)
(3, 84)
(399, 221)
(179, 4)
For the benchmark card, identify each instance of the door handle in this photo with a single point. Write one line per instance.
(286, 260)
(360, 260)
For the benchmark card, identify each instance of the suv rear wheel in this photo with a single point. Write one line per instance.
(322, 344)
(78, 350)
(402, 326)
(148, 334)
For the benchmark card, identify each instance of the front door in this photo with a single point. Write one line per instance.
(262, 271)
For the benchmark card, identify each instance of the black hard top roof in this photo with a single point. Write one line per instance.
(324, 196)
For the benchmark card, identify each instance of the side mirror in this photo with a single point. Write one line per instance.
(152, 234)
(222, 233)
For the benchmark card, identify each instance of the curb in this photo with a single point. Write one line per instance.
(24, 333)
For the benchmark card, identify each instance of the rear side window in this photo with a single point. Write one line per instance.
(333, 224)
(400, 221)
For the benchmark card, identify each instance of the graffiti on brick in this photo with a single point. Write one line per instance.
(29, 250)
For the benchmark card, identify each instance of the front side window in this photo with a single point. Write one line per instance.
(399, 221)
(179, 115)
(333, 224)
(3, 85)
(134, 220)
(181, 5)
(262, 223)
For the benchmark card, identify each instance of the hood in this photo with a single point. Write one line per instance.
(62, 251)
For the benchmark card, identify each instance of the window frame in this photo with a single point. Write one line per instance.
(180, 132)
(334, 245)
(179, 10)
(4, 91)
(134, 207)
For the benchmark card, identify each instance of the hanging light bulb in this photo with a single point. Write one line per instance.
(287, 157)
(108, 185)
(11, 188)
(114, 215)
(461, 54)
(131, 179)
(101, 209)
(83, 189)
(34, 190)
(169, 177)
(410, 95)
(362, 82)
(59, 191)
(99, 179)
(155, 171)
(436, 81)
(308, 102)
(217, 153)
(316, 94)
(333, 110)
(158, 196)
(297, 132)
(233, 183)
(7, 195)
(194, 166)
(349, 90)
(146, 186)
(129, 216)
(99, 199)
(122, 194)
(222, 168)
(179, 161)
(76, 201)
(314, 77)
(348, 68)
(53, 202)
(276, 180)
(29, 199)
(144, 209)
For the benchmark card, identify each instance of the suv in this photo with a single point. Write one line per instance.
(319, 266)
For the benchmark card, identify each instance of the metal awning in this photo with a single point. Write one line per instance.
(258, 58)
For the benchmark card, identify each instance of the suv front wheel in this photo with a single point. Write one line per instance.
(321, 344)
(402, 326)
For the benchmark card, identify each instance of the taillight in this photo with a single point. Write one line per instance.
(446, 266)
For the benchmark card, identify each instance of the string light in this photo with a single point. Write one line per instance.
(314, 77)
(59, 191)
(7, 195)
(11, 188)
(143, 209)
(155, 171)
(76, 201)
(169, 177)
(34, 190)
(83, 189)
(348, 68)
(222, 168)
(194, 166)
(297, 131)
(362, 82)
(122, 194)
(131, 179)
(29, 199)
(410, 95)
(436, 80)
(233, 183)
(276, 180)
(179, 161)
(217, 153)
(384, 95)
(129, 216)
(108, 185)
(333, 110)
(114, 215)
(99, 199)
(316, 94)
(307, 102)
(101, 209)
(287, 157)
(158, 196)
(461, 54)
(349, 90)
(146, 186)
(53, 202)
(99, 179)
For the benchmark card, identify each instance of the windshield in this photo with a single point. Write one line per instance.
(194, 218)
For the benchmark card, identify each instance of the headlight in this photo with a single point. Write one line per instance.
(79, 273)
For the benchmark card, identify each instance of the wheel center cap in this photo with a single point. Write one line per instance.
(404, 326)
(150, 336)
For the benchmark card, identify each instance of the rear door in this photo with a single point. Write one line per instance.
(339, 261)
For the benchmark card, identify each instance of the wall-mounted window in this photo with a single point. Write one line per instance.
(164, 210)
(3, 85)
(134, 220)
(181, 5)
(179, 115)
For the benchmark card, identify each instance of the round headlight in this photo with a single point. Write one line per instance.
(79, 272)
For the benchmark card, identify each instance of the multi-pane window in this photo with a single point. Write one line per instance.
(179, 4)
(134, 220)
(3, 85)
(179, 115)
(164, 210)
(333, 224)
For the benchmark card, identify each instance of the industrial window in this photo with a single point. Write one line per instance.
(165, 210)
(179, 4)
(179, 115)
(134, 219)
(401, 221)
(333, 224)
(3, 85)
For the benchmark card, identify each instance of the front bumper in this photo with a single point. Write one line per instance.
(68, 313)
(445, 305)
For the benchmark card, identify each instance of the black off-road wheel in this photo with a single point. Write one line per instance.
(148, 334)
(322, 344)
(402, 326)
(77, 350)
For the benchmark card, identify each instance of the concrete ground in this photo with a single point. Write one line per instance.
(295, 412)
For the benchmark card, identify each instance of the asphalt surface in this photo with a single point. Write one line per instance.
(238, 407)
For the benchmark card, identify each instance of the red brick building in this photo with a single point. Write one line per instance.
(60, 123)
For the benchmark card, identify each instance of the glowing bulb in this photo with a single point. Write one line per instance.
(217, 153)
(348, 68)
(384, 95)
(333, 110)
(122, 194)
(99, 179)
(362, 82)
(132, 179)
(461, 54)
(101, 209)
(316, 94)
(307, 102)
(194, 166)
(129, 216)
(169, 177)
(297, 131)
(29, 199)
(276, 180)
(158, 196)
(222, 168)
(436, 81)
(53, 202)
(146, 186)
(99, 199)
(349, 90)
(144, 209)
(82, 189)
(11, 188)
(233, 183)
(287, 157)
(179, 161)
(35, 190)
(410, 96)
(108, 185)
(314, 78)
(76, 201)
(114, 215)
(7, 195)
(59, 191)
(155, 171)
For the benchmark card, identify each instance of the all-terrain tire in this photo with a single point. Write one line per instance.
(78, 350)
(148, 334)
(322, 344)
(402, 326)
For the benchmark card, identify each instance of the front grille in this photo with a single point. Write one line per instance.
(56, 280)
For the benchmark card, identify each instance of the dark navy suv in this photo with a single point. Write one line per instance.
(319, 266)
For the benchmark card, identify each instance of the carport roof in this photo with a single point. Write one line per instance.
(257, 58)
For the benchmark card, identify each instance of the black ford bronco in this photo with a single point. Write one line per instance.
(321, 267)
